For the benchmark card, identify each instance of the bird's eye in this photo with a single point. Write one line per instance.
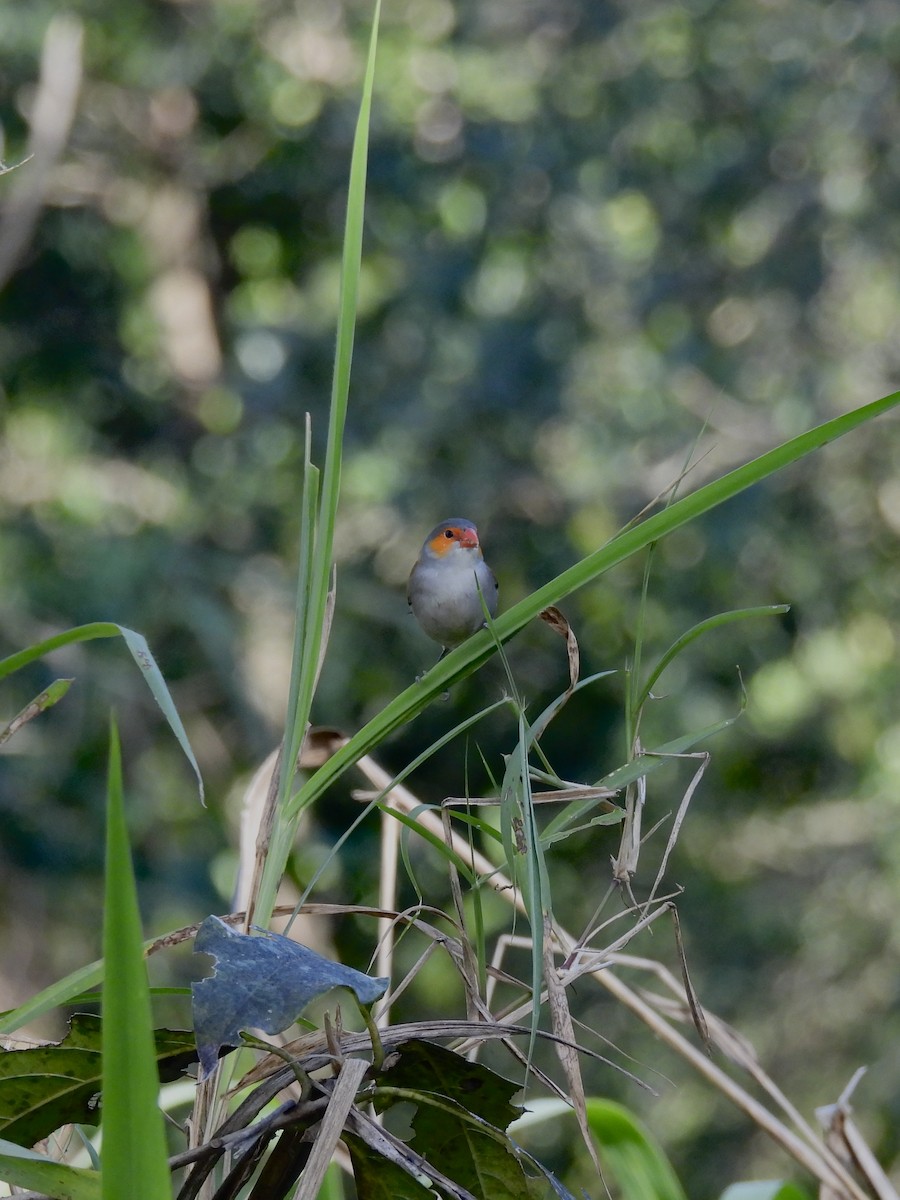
(448, 533)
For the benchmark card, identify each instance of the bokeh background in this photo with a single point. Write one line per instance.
(603, 240)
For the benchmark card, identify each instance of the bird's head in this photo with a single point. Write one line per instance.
(456, 532)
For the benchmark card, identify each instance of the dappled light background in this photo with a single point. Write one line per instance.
(604, 242)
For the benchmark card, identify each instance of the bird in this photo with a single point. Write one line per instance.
(448, 582)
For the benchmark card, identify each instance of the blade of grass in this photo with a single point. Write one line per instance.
(134, 1160)
(140, 652)
(630, 772)
(726, 618)
(317, 557)
(478, 649)
(25, 1168)
(389, 785)
(433, 839)
(52, 997)
(46, 699)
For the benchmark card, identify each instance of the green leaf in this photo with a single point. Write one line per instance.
(140, 652)
(764, 1189)
(261, 982)
(422, 1065)
(134, 1159)
(45, 1087)
(24, 1168)
(61, 992)
(635, 1160)
(377, 1178)
(462, 1107)
(525, 857)
(564, 823)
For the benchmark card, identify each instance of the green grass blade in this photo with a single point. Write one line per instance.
(134, 1160)
(140, 652)
(61, 992)
(764, 1189)
(80, 633)
(522, 847)
(295, 728)
(46, 699)
(691, 635)
(478, 649)
(284, 826)
(433, 839)
(25, 1168)
(315, 580)
(407, 770)
(648, 762)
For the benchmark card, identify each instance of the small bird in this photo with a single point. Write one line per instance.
(448, 582)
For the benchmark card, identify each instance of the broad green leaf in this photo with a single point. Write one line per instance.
(376, 1178)
(635, 1160)
(764, 1189)
(425, 1066)
(261, 982)
(134, 1158)
(462, 1110)
(45, 1087)
(25, 1168)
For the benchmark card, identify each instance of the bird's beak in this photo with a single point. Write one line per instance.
(468, 539)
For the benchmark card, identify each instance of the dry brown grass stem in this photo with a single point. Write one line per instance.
(808, 1150)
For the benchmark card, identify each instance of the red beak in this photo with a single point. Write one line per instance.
(468, 538)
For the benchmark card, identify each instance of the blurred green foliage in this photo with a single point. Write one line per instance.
(602, 240)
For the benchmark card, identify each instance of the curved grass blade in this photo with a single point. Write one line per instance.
(633, 1156)
(61, 992)
(651, 760)
(25, 1168)
(433, 839)
(376, 801)
(691, 635)
(472, 654)
(140, 652)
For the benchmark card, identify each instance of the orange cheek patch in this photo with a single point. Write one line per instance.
(440, 544)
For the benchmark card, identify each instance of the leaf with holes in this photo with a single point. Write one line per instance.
(262, 981)
(44, 1087)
